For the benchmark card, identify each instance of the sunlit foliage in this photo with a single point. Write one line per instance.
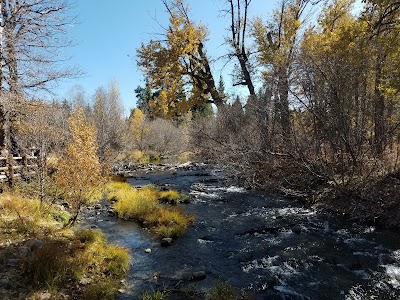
(79, 170)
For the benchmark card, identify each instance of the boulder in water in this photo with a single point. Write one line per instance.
(200, 275)
(165, 242)
(297, 229)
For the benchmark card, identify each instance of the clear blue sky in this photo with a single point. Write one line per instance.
(109, 32)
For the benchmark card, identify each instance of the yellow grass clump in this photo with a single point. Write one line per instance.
(146, 206)
(22, 217)
(169, 196)
(83, 256)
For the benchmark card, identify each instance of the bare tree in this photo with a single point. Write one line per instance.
(107, 118)
(32, 34)
(43, 127)
(165, 138)
(238, 12)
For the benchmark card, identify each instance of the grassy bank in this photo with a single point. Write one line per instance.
(153, 209)
(39, 259)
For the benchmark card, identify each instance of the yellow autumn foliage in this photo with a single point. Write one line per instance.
(79, 170)
(168, 65)
(137, 124)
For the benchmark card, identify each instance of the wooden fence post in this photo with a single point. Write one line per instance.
(10, 164)
(25, 164)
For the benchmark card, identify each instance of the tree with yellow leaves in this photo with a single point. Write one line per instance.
(178, 66)
(79, 170)
(352, 62)
(138, 127)
(381, 19)
(276, 42)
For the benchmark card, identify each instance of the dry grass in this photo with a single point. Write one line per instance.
(145, 206)
(22, 217)
(170, 196)
(98, 257)
(63, 257)
(104, 290)
(222, 291)
(135, 204)
(85, 255)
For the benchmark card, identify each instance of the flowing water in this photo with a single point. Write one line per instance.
(270, 247)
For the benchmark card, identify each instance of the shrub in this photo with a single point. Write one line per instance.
(140, 157)
(186, 199)
(174, 217)
(49, 265)
(170, 231)
(60, 216)
(79, 174)
(135, 204)
(116, 261)
(96, 255)
(115, 186)
(90, 236)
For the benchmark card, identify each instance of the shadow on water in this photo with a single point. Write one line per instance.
(271, 247)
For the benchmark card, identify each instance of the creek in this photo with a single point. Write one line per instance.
(268, 246)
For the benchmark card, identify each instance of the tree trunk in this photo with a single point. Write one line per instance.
(283, 91)
(379, 109)
(209, 79)
(238, 32)
(242, 57)
(2, 125)
(74, 218)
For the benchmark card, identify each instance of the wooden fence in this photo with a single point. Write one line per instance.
(12, 167)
